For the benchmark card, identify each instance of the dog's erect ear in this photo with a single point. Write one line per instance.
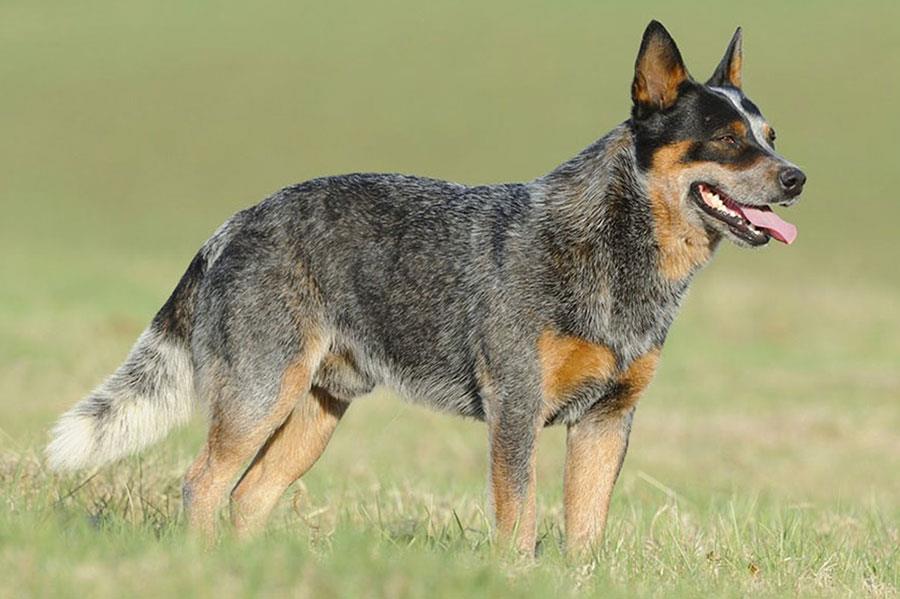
(658, 71)
(728, 73)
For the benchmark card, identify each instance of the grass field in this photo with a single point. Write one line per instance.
(765, 457)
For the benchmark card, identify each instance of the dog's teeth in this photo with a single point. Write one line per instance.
(714, 200)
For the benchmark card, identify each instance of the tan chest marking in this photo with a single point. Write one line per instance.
(683, 245)
(637, 377)
(568, 362)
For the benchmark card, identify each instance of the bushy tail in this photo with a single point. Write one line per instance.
(151, 393)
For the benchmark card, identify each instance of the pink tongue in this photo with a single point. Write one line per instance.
(764, 218)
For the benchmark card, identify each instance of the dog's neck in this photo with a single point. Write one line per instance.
(596, 229)
(600, 201)
(578, 193)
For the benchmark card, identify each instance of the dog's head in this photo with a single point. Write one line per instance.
(705, 148)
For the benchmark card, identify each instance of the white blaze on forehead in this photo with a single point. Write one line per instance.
(757, 123)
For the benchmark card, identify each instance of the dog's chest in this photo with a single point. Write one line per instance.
(611, 359)
(578, 376)
(633, 328)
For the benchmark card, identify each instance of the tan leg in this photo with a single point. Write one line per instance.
(211, 475)
(595, 449)
(231, 444)
(285, 457)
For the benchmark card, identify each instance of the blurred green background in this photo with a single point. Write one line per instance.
(130, 130)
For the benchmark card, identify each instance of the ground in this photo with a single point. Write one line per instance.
(765, 454)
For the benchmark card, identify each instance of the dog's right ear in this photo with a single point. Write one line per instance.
(658, 72)
(728, 73)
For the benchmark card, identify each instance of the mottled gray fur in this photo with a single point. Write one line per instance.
(417, 284)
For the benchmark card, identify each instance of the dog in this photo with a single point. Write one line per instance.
(521, 305)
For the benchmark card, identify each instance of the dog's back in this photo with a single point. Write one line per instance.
(398, 272)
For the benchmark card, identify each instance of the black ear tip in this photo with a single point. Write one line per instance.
(656, 30)
(653, 27)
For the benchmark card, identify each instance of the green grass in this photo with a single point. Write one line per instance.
(765, 455)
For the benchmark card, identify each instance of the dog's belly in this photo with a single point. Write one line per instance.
(339, 376)
(443, 395)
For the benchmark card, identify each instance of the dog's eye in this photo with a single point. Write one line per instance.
(772, 137)
(727, 139)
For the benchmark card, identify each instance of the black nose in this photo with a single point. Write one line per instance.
(792, 180)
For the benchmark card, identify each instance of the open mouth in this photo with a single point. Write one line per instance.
(753, 224)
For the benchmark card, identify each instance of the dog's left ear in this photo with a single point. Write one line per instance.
(659, 71)
(728, 73)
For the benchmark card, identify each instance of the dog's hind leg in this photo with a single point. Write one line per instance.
(243, 416)
(285, 457)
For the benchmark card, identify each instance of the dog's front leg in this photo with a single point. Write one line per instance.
(595, 450)
(513, 432)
